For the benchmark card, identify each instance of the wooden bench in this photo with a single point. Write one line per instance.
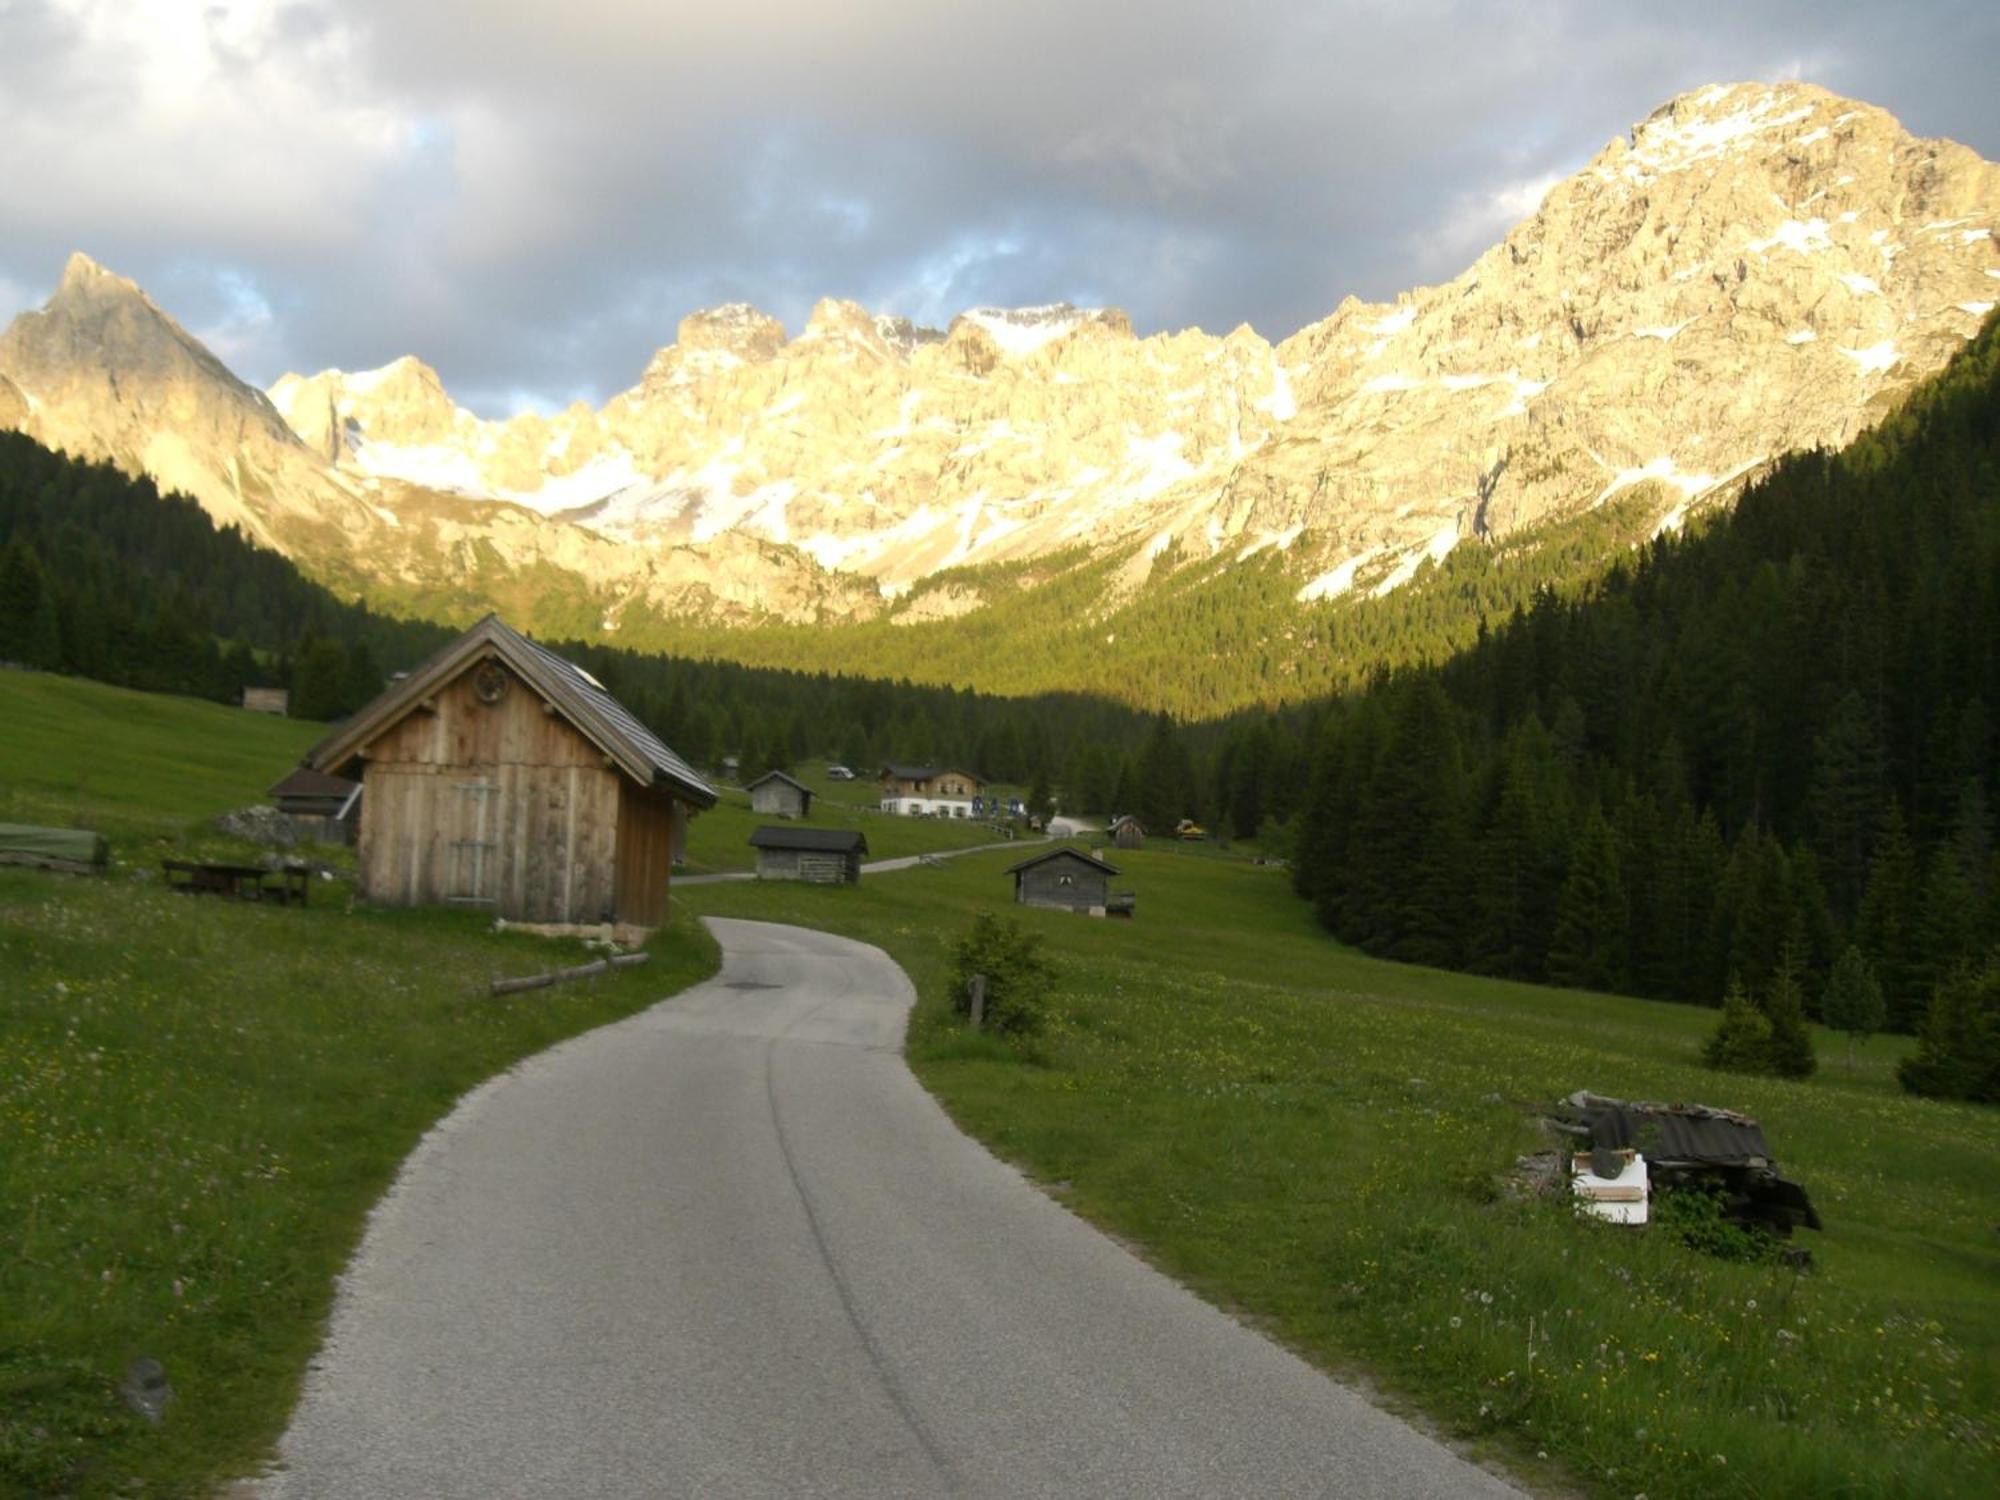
(287, 887)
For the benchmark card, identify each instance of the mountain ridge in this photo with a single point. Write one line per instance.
(1752, 269)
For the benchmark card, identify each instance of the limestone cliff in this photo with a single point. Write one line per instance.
(1753, 269)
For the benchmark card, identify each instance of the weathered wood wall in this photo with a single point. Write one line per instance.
(646, 834)
(780, 800)
(821, 867)
(1043, 885)
(501, 806)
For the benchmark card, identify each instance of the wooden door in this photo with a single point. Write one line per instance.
(472, 843)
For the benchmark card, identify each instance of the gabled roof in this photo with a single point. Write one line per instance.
(777, 776)
(814, 840)
(1065, 852)
(306, 782)
(905, 772)
(578, 697)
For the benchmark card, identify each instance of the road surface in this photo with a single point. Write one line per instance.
(729, 1247)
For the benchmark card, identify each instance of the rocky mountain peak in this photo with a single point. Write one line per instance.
(1754, 268)
(905, 336)
(82, 275)
(735, 328)
(1017, 332)
(837, 318)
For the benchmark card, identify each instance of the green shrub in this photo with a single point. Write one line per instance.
(1695, 1216)
(1017, 974)
(1741, 1041)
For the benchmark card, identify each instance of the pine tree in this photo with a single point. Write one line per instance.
(29, 632)
(1888, 921)
(1853, 1000)
(1789, 1051)
(1958, 1045)
(1741, 1041)
(1948, 920)
(1041, 804)
(1588, 948)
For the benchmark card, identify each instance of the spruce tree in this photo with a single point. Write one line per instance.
(1789, 1050)
(1741, 1041)
(1853, 1000)
(1958, 1045)
(1888, 922)
(1588, 948)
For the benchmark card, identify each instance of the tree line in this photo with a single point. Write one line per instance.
(1744, 751)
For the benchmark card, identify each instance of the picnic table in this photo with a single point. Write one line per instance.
(243, 882)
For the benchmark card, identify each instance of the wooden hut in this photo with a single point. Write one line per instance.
(776, 795)
(323, 807)
(498, 775)
(825, 856)
(1066, 879)
(1127, 832)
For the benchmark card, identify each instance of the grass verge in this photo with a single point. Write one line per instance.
(1316, 1139)
(200, 1100)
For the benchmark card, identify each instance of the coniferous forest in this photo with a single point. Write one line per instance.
(102, 576)
(1742, 752)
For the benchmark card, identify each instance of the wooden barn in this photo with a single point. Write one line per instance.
(498, 775)
(776, 795)
(1065, 879)
(1128, 832)
(825, 856)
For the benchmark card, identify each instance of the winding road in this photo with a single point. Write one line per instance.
(730, 1247)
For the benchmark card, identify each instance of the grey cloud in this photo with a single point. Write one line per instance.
(530, 197)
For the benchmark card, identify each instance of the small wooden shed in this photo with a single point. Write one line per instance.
(319, 806)
(498, 775)
(307, 793)
(825, 856)
(1128, 832)
(1066, 879)
(777, 795)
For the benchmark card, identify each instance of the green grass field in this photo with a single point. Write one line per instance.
(199, 1100)
(83, 754)
(1316, 1139)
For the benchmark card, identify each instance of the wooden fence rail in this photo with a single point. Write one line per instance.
(564, 976)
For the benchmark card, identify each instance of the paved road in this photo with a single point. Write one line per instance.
(729, 1247)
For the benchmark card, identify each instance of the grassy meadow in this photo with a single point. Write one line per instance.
(1317, 1140)
(199, 1099)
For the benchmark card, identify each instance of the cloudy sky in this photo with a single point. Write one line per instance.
(530, 196)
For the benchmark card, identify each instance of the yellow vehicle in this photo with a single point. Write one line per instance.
(1189, 829)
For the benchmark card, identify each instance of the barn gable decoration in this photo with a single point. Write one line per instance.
(501, 776)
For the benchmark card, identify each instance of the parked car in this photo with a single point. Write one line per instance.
(839, 773)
